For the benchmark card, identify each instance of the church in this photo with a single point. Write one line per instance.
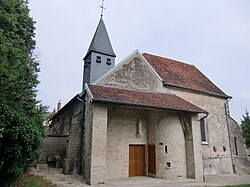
(146, 116)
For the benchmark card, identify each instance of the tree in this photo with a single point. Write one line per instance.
(21, 115)
(245, 126)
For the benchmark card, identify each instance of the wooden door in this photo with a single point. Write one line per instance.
(151, 159)
(136, 160)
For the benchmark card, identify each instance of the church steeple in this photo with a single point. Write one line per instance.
(100, 42)
(100, 56)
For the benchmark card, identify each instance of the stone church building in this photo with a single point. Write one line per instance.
(146, 116)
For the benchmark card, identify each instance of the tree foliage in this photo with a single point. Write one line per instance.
(21, 115)
(245, 126)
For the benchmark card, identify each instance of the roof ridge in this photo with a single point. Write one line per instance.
(131, 89)
(178, 61)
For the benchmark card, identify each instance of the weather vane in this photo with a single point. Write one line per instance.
(102, 7)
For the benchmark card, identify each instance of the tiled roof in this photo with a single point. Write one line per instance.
(183, 75)
(105, 94)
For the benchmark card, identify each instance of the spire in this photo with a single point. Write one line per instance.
(100, 56)
(100, 42)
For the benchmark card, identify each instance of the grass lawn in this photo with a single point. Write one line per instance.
(242, 185)
(29, 180)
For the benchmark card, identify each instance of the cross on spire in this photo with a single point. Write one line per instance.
(102, 7)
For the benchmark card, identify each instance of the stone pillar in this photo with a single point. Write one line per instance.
(98, 145)
(198, 164)
(170, 150)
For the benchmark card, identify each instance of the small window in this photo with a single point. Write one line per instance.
(224, 148)
(168, 164)
(98, 59)
(166, 149)
(214, 148)
(235, 146)
(203, 131)
(108, 61)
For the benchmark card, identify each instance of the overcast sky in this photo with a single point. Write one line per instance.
(213, 35)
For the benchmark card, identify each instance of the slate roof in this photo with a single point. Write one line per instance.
(178, 74)
(100, 42)
(103, 94)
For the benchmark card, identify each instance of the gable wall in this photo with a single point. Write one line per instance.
(133, 74)
(219, 161)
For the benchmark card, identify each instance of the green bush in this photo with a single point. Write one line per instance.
(20, 142)
(21, 115)
(245, 126)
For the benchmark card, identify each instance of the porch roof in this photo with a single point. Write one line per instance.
(105, 94)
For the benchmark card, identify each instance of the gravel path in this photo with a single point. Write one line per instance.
(58, 178)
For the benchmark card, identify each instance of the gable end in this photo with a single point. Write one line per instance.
(134, 72)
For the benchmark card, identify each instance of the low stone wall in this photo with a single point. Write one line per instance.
(248, 151)
(217, 165)
(54, 150)
(242, 164)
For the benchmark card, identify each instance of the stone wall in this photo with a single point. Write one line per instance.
(242, 164)
(86, 162)
(122, 129)
(53, 146)
(240, 158)
(197, 149)
(217, 165)
(169, 133)
(74, 147)
(160, 128)
(61, 122)
(98, 144)
(64, 137)
(237, 140)
(134, 73)
(248, 151)
(216, 151)
(95, 143)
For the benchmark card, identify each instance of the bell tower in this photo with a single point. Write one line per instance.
(100, 56)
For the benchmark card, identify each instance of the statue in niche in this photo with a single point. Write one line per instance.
(139, 132)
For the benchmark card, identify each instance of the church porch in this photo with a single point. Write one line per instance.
(121, 133)
(169, 151)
